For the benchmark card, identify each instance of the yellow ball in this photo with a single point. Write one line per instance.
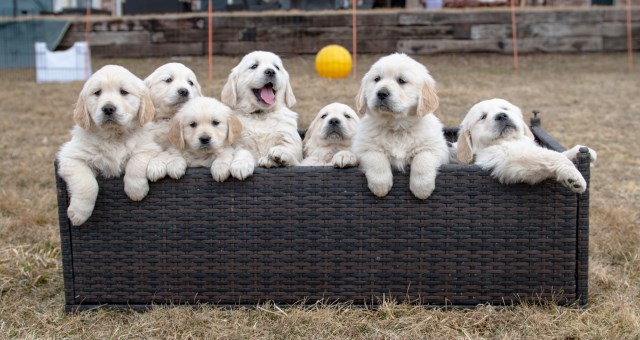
(333, 61)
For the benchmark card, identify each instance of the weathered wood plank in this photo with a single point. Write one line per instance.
(492, 31)
(447, 46)
(447, 17)
(564, 44)
(560, 29)
(147, 50)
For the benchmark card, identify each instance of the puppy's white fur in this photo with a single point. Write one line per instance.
(494, 136)
(397, 97)
(329, 137)
(203, 132)
(171, 85)
(259, 91)
(107, 139)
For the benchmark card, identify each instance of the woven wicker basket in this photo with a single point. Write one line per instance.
(309, 233)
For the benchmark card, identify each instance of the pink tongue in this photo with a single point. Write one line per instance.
(267, 94)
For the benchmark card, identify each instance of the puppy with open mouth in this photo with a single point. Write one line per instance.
(259, 91)
(329, 136)
(397, 98)
(494, 136)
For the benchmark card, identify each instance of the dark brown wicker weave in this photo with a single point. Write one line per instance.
(310, 233)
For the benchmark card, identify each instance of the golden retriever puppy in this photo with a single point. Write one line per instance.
(171, 85)
(328, 138)
(203, 132)
(397, 98)
(108, 139)
(259, 92)
(494, 136)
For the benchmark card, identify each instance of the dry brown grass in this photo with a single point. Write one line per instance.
(589, 99)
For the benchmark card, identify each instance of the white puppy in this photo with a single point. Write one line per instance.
(108, 139)
(329, 136)
(171, 85)
(259, 91)
(203, 132)
(397, 97)
(494, 136)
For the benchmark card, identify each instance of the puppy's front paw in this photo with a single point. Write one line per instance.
(344, 159)
(220, 171)
(572, 179)
(136, 188)
(266, 162)
(176, 167)
(79, 213)
(422, 187)
(572, 153)
(242, 169)
(281, 156)
(380, 184)
(156, 169)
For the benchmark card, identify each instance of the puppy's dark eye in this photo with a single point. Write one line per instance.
(277, 68)
(190, 82)
(215, 123)
(483, 117)
(254, 66)
(168, 80)
(347, 116)
(123, 92)
(324, 116)
(97, 93)
(193, 124)
(376, 79)
(401, 81)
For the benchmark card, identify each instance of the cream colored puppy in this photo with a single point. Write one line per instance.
(171, 85)
(108, 139)
(259, 92)
(397, 98)
(494, 136)
(203, 132)
(329, 136)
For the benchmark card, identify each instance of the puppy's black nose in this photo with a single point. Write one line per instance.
(108, 109)
(270, 72)
(204, 139)
(502, 116)
(334, 121)
(383, 94)
(183, 92)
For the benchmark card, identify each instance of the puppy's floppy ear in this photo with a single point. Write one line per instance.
(361, 101)
(197, 87)
(289, 98)
(81, 114)
(311, 130)
(146, 112)
(465, 153)
(528, 133)
(175, 134)
(229, 94)
(428, 101)
(234, 129)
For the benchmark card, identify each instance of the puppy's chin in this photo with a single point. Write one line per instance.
(507, 131)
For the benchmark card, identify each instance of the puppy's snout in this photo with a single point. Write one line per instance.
(502, 116)
(334, 121)
(383, 94)
(204, 139)
(269, 72)
(183, 92)
(108, 109)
